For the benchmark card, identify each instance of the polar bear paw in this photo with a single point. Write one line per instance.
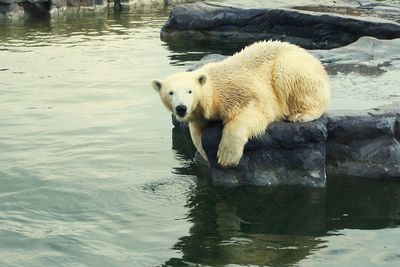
(229, 155)
(300, 117)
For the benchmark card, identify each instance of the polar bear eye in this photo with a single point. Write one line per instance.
(171, 93)
(190, 91)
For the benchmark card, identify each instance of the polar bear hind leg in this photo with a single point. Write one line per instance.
(302, 81)
(305, 116)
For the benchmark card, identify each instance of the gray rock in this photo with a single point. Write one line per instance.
(35, 1)
(362, 144)
(288, 153)
(357, 8)
(7, 2)
(367, 50)
(365, 144)
(11, 8)
(209, 22)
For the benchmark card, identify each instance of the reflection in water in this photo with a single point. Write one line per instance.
(277, 225)
(191, 51)
(82, 24)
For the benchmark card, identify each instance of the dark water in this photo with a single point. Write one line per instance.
(92, 174)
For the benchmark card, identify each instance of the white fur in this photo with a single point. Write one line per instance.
(266, 81)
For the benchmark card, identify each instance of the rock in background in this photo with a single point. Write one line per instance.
(215, 23)
(42, 8)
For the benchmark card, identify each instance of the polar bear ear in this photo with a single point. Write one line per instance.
(156, 85)
(202, 79)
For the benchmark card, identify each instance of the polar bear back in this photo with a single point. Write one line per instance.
(279, 77)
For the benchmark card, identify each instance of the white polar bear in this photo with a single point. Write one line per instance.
(265, 82)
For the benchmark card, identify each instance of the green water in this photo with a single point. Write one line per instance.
(91, 173)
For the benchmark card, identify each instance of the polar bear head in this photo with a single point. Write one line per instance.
(181, 93)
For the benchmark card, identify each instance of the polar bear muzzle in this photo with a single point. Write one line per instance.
(181, 110)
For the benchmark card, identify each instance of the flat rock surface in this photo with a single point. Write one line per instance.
(364, 74)
(361, 8)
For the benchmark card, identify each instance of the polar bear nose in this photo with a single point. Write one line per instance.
(181, 110)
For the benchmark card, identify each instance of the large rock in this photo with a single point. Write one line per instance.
(209, 22)
(288, 153)
(363, 143)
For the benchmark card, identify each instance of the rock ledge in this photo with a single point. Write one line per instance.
(209, 22)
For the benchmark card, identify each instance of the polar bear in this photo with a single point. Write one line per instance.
(265, 82)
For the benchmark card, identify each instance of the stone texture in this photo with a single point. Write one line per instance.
(208, 22)
(356, 8)
(288, 153)
(42, 8)
(367, 50)
(363, 144)
(10, 8)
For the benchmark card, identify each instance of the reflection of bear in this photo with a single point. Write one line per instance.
(266, 81)
(256, 226)
(274, 226)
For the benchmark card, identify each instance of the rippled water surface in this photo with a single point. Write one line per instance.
(91, 173)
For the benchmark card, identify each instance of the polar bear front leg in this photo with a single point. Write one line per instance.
(195, 133)
(250, 122)
(230, 149)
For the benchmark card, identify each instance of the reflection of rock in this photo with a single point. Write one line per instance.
(206, 22)
(279, 226)
(362, 204)
(363, 143)
(252, 227)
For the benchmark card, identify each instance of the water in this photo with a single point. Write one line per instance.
(92, 174)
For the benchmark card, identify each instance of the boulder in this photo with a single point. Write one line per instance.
(364, 143)
(359, 144)
(288, 153)
(210, 22)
